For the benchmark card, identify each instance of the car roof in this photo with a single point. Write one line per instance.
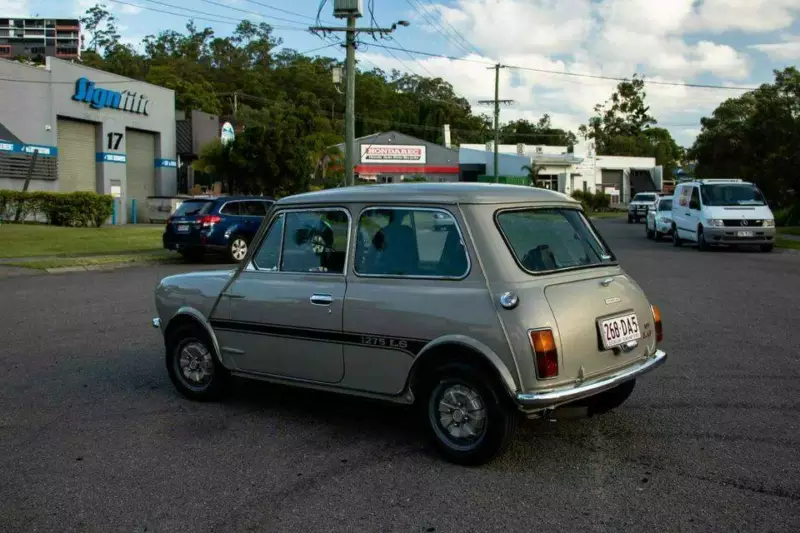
(431, 193)
(227, 198)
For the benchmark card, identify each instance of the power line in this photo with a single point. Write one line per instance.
(423, 10)
(414, 59)
(260, 15)
(455, 31)
(189, 10)
(286, 11)
(217, 21)
(581, 75)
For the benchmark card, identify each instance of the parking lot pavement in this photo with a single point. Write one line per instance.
(93, 437)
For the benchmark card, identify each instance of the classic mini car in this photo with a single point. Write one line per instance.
(517, 308)
(658, 221)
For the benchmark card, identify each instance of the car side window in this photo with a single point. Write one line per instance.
(410, 242)
(315, 241)
(269, 254)
(694, 203)
(231, 208)
(254, 209)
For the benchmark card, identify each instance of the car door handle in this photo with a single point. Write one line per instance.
(233, 296)
(321, 299)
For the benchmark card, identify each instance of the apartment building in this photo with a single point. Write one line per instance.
(39, 38)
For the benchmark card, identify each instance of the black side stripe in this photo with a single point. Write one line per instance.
(407, 345)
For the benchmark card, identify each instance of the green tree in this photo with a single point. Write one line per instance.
(101, 26)
(533, 171)
(755, 137)
(541, 132)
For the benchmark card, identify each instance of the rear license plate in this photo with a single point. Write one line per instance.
(619, 330)
(182, 228)
(744, 234)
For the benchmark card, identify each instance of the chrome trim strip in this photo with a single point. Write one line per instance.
(555, 397)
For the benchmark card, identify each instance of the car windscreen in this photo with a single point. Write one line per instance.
(729, 194)
(665, 205)
(543, 240)
(644, 198)
(193, 207)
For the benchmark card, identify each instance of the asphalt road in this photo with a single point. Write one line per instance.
(93, 438)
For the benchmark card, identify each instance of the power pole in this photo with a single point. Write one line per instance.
(351, 31)
(496, 103)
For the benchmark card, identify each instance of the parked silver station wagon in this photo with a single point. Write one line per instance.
(480, 304)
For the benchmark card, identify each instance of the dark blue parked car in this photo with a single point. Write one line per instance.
(225, 224)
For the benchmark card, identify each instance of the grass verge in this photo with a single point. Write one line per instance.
(787, 243)
(101, 260)
(791, 230)
(32, 240)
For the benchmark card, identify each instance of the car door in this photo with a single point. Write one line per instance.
(253, 212)
(282, 315)
(692, 217)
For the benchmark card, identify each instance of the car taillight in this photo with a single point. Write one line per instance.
(168, 221)
(209, 220)
(657, 321)
(544, 349)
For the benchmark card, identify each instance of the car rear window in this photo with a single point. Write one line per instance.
(644, 198)
(544, 240)
(194, 207)
(665, 205)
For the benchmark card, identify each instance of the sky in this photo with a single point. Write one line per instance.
(728, 43)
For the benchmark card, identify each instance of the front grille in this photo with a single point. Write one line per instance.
(737, 223)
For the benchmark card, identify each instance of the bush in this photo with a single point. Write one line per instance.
(788, 216)
(82, 209)
(598, 201)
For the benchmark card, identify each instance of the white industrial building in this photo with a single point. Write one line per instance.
(619, 177)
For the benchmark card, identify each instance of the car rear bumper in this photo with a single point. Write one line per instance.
(559, 396)
(730, 235)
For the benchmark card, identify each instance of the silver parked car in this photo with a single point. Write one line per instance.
(658, 221)
(515, 308)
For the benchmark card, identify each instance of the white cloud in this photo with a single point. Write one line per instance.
(753, 16)
(607, 38)
(130, 9)
(788, 50)
(16, 8)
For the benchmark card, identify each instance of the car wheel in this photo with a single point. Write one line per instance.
(658, 235)
(647, 230)
(702, 244)
(237, 248)
(630, 219)
(610, 399)
(193, 366)
(676, 240)
(467, 419)
(767, 247)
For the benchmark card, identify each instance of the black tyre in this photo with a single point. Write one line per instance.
(630, 219)
(237, 248)
(766, 248)
(702, 244)
(649, 233)
(676, 240)
(658, 235)
(468, 419)
(610, 399)
(193, 366)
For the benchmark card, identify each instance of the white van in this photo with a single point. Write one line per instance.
(710, 212)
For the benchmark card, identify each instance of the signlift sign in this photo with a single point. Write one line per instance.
(392, 153)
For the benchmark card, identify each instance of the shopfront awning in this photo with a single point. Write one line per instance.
(407, 169)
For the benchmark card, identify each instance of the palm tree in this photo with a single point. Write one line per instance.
(533, 172)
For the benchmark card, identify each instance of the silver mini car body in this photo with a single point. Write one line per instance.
(477, 303)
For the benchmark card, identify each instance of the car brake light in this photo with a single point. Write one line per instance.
(657, 321)
(209, 220)
(544, 348)
(168, 221)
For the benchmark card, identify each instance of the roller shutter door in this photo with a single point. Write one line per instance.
(77, 166)
(141, 175)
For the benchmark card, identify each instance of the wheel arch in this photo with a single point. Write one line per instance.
(191, 316)
(461, 348)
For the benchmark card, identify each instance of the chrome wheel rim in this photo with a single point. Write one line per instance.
(459, 416)
(239, 249)
(195, 365)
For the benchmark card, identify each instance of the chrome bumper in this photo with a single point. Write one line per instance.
(562, 395)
